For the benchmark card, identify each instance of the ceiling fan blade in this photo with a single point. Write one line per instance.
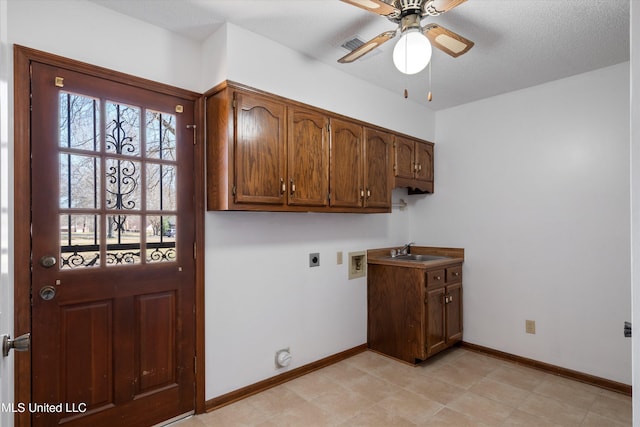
(436, 7)
(446, 40)
(367, 47)
(375, 6)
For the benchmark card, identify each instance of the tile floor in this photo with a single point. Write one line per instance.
(458, 388)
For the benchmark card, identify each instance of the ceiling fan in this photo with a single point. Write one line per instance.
(412, 52)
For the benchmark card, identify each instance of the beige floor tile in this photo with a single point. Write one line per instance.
(372, 387)
(477, 363)
(274, 401)
(480, 408)
(377, 416)
(522, 419)
(311, 385)
(571, 392)
(500, 392)
(410, 406)
(342, 402)
(553, 410)
(616, 407)
(594, 420)
(434, 389)
(518, 376)
(301, 413)
(450, 418)
(240, 414)
(399, 374)
(459, 376)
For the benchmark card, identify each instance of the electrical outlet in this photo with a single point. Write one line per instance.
(314, 260)
(530, 326)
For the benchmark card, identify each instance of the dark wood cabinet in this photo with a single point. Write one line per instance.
(346, 186)
(413, 312)
(259, 149)
(268, 153)
(308, 157)
(413, 164)
(378, 146)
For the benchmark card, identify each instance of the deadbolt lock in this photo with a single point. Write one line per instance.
(48, 261)
(47, 293)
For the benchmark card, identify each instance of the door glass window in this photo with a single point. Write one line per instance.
(118, 198)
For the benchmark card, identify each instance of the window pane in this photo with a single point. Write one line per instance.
(123, 129)
(123, 239)
(161, 187)
(79, 241)
(161, 239)
(123, 184)
(161, 135)
(78, 121)
(79, 183)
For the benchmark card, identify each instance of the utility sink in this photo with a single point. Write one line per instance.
(417, 257)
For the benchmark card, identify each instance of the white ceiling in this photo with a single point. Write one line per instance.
(518, 43)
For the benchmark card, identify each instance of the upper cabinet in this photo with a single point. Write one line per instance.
(259, 147)
(268, 153)
(413, 165)
(308, 157)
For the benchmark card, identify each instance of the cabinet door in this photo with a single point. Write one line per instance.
(308, 157)
(436, 323)
(259, 149)
(404, 158)
(424, 161)
(377, 167)
(346, 164)
(454, 312)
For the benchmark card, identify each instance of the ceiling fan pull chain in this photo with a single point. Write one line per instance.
(429, 96)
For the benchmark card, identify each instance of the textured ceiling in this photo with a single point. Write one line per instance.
(518, 43)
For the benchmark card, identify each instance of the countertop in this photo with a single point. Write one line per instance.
(383, 256)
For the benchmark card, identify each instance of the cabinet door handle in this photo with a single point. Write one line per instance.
(292, 186)
(283, 186)
(368, 194)
(415, 166)
(419, 167)
(362, 194)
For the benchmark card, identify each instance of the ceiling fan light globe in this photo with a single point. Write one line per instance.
(412, 52)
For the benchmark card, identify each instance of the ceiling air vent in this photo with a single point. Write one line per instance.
(352, 43)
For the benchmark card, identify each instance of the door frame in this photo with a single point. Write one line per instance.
(23, 56)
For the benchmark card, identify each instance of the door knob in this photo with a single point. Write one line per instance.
(48, 261)
(47, 293)
(22, 343)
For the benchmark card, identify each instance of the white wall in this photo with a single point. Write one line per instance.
(6, 284)
(535, 187)
(635, 201)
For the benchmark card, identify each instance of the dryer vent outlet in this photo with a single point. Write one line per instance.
(283, 358)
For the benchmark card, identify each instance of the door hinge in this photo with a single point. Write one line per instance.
(195, 364)
(194, 250)
(234, 103)
(233, 190)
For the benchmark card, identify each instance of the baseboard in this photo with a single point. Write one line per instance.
(552, 369)
(244, 392)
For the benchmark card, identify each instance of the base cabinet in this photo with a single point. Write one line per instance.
(414, 313)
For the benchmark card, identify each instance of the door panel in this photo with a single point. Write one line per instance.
(378, 179)
(113, 329)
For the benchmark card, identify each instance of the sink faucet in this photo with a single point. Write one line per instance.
(406, 249)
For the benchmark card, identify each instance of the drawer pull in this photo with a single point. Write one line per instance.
(436, 277)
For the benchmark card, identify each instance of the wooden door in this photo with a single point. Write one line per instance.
(404, 158)
(377, 167)
(424, 161)
(454, 312)
(308, 157)
(347, 189)
(436, 332)
(113, 271)
(259, 149)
